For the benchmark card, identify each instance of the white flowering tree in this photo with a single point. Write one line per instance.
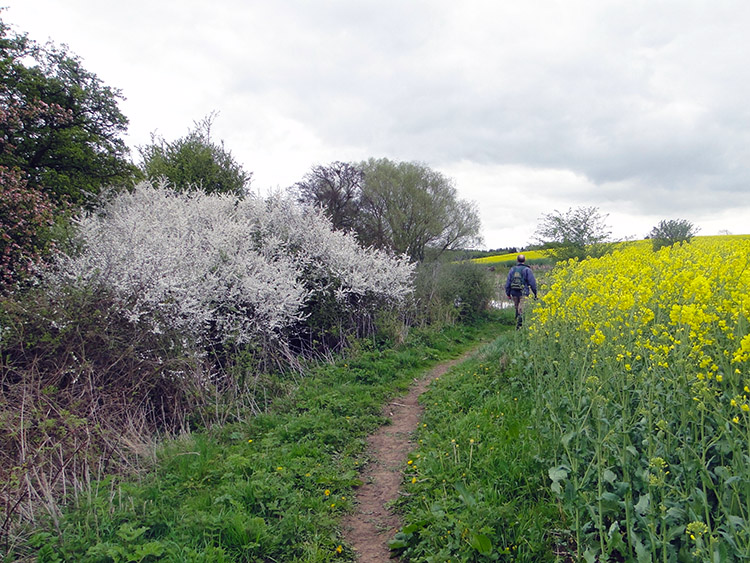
(224, 270)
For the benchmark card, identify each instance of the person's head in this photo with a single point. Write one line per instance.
(521, 258)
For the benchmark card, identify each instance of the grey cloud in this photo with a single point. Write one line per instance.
(644, 101)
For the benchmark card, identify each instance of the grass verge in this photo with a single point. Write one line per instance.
(475, 489)
(271, 488)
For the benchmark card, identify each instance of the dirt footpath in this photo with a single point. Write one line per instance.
(372, 525)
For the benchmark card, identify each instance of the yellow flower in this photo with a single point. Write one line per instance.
(598, 337)
(413, 480)
(326, 492)
(339, 549)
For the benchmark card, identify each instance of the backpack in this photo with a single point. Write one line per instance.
(516, 278)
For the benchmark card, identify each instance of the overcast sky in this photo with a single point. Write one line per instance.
(638, 107)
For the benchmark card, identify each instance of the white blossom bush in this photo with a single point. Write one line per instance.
(221, 269)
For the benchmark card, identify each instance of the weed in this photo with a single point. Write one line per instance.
(269, 486)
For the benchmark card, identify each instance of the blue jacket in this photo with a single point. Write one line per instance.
(529, 281)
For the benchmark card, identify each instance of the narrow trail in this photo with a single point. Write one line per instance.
(372, 524)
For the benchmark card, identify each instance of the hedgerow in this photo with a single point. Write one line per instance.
(230, 272)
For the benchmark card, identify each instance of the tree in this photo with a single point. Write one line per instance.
(402, 207)
(409, 209)
(62, 126)
(462, 228)
(578, 233)
(671, 231)
(336, 189)
(194, 162)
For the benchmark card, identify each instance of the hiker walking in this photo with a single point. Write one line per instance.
(520, 280)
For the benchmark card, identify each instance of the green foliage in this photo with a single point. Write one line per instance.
(474, 486)
(672, 231)
(446, 292)
(469, 285)
(59, 146)
(645, 403)
(409, 208)
(61, 126)
(194, 162)
(270, 487)
(576, 234)
(404, 207)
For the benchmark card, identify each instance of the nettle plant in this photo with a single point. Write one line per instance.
(224, 270)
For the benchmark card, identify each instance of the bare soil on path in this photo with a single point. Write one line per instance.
(369, 528)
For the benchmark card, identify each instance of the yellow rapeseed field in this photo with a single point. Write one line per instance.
(688, 304)
(641, 361)
(530, 255)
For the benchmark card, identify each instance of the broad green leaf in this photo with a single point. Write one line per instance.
(414, 527)
(643, 555)
(643, 504)
(481, 543)
(567, 438)
(558, 473)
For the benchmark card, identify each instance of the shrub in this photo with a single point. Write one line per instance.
(446, 292)
(77, 383)
(669, 232)
(26, 216)
(230, 272)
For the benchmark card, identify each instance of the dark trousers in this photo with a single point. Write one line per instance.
(517, 297)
